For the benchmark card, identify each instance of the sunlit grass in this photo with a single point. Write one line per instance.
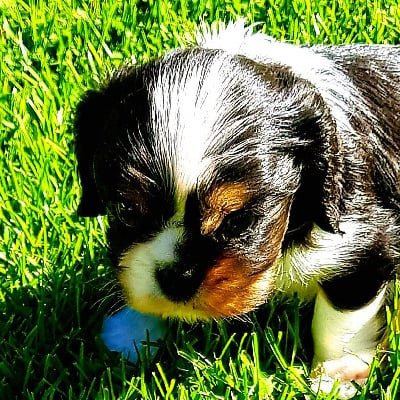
(53, 265)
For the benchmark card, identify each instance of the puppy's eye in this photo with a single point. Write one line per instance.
(236, 223)
(126, 214)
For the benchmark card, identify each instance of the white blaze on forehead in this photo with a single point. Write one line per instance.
(185, 107)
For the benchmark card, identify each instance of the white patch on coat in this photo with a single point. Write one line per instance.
(185, 120)
(345, 344)
(140, 262)
(302, 266)
(338, 333)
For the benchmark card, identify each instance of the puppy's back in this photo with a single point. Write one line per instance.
(375, 72)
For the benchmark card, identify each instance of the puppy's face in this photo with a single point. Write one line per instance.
(197, 160)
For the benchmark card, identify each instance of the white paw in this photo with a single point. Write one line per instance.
(326, 384)
(341, 374)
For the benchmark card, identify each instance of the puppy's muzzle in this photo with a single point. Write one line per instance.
(179, 283)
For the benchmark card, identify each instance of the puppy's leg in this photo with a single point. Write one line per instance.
(345, 343)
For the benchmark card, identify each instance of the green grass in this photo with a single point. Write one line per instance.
(53, 265)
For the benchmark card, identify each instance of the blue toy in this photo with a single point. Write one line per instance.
(129, 331)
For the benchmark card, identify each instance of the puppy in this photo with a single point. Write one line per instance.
(242, 167)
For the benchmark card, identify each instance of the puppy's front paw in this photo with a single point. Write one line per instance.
(345, 343)
(343, 374)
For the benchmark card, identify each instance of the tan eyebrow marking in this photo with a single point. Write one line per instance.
(220, 202)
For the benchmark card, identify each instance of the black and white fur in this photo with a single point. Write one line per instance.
(309, 140)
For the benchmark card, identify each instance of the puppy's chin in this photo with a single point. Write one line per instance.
(227, 290)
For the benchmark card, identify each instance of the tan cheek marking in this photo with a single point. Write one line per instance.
(235, 285)
(221, 201)
(230, 290)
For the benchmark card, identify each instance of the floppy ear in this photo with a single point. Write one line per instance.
(88, 136)
(319, 197)
(314, 143)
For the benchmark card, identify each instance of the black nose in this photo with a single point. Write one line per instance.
(179, 283)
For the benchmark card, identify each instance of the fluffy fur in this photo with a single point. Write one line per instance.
(241, 167)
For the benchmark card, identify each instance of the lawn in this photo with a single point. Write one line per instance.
(56, 282)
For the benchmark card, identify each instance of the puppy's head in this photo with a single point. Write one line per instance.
(202, 160)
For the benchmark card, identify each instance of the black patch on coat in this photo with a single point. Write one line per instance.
(371, 270)
(371, 69)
